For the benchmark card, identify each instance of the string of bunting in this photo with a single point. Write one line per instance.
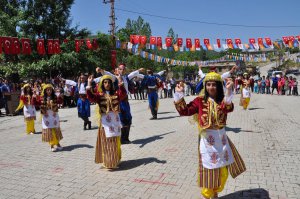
(230, 57)
(15, 46)
(259, 44)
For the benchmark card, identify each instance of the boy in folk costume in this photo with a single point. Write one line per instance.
(108, 146)
(28, 101)
(217, 154)
(152, 81)
(83, 104)
(50, 119)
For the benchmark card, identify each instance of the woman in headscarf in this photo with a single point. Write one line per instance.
(108, 146)
(28, 101)
(217, 154)
(50, 119)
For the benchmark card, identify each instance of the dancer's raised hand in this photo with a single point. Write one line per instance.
(179, 87)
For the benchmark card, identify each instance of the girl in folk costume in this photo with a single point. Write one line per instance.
(50, 119)
(28, 100)
(108, 146)
(216, 152)
(246, 95)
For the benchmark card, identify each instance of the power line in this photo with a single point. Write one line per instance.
(205, 22)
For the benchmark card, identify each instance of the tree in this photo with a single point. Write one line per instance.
(10, 16)
(171, 33)
(47, 19)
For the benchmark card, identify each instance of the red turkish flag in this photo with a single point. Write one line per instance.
(77, 45)
(143, 40)
(153, 40)
(159, 41)
(56, 46)
(298, 37)
(95, 44)
(189, 43)
(89, 44)
(1, 45)
(251, 41)
(268, 41)
(229, 41)
(237, 41)
(260, 41)
(26, 47)
(168, 41)
(179, 42)
(7, 44)
(285, 40)
(131, 40)
(197, 43)
(113, 59)
(15, 46)
(136, 39)
(291, 38)
(50, 47)
(219, 43)
(41, 47)
(206, 42)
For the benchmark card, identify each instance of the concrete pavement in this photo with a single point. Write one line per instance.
(162, 160)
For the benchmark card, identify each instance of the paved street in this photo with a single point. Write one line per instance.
(162, 160)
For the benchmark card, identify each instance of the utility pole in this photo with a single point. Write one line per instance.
(112, 31)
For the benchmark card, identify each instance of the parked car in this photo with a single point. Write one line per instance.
(277, 73)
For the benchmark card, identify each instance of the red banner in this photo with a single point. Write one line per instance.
(260, 41)
(41, 47)
(136, 39)
(268, 41)
(189, 43)
(56, 46)
(0, 45)
(159, 41)
(237, 41)
(50, 47)
(15, 50)
(113, 59)
(89, 44)
(78, 44)
(179, 42)
(153, 40)
(285, 40)
(168, 41)
(197, 43)
(251, 41)
(143, 40)
(7, 45)
(26, 47)
(206, 42)
(95, 44)
(219, 43)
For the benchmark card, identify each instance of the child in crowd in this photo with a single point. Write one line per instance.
(255, 86)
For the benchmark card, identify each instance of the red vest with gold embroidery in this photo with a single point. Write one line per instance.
(206, 119)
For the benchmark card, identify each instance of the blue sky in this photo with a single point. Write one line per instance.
(93, 14)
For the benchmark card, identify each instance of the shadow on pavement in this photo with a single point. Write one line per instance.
(238, 130)
(247, 194)
(148, 140)
(76, 146)
(130, 164)
(165, 118)
(251, 109)
(166, 112)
